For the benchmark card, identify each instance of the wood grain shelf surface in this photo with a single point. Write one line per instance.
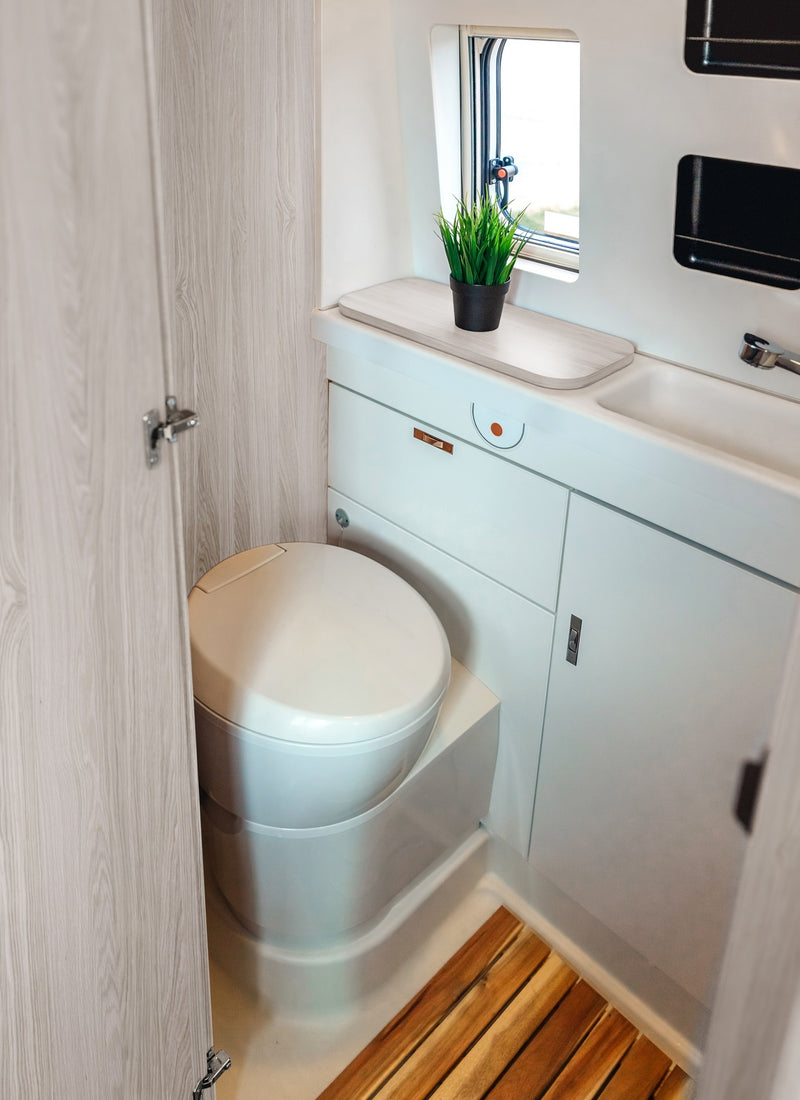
(531, 347)
(506, 1019)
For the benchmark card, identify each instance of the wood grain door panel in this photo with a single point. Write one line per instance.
(103, 971)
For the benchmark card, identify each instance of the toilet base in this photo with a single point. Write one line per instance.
(334, 979)
(312, 891)
(306, 888)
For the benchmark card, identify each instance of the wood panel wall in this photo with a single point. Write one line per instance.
(236, 123)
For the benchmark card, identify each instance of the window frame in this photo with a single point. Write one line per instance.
(540, 247)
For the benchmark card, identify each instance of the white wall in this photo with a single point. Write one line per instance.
(642, 110)
(364, 213)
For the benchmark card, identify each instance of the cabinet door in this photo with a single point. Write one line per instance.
(500, 637)
(679, 660)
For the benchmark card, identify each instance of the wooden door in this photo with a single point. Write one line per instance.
(678, 668)
(103, 970)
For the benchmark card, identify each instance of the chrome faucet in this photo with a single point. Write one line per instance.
(764, 355)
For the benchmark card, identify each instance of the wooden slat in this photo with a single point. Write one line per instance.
(642, 1070)
(410, 1026)
(545, 1056)
(595, 1060)
(677, 1086)
(501, 1042)
(435, 1057)
(507, 1019)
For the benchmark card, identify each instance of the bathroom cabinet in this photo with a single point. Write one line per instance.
(679, 660)
(678, 663)
(613, 794)
(477, 536)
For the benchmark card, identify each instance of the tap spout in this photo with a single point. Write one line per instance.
(764, 355)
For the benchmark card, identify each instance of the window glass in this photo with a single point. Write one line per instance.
(540, 114)
(523, 143)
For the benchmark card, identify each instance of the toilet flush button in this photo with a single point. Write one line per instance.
(497, 428)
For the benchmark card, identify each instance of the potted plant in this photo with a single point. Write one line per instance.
(481, 250)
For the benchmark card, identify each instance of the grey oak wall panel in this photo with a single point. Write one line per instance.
(237, 132)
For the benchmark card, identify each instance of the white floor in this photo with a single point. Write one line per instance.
(282, 1058)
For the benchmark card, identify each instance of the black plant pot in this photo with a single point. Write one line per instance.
(476, 307)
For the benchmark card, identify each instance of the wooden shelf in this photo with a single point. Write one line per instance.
(532, 347)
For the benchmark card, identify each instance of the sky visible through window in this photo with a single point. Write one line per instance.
(540, 129)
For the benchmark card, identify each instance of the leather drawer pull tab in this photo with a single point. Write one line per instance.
(440, 444)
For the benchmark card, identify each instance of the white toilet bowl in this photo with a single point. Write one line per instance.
(318, 676)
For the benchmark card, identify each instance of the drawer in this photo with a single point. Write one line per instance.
(482, 509)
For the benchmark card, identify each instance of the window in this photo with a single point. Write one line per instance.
(520, 133)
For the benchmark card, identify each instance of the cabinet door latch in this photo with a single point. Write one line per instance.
(156, 429)
(218, 1062)
(574, 639)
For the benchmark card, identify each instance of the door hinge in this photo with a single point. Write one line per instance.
(156, 429)
(218, 1062)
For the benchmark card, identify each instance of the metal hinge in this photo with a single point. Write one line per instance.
(156, 429)
(218, 1062)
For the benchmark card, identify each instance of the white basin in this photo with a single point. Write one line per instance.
(742, 422)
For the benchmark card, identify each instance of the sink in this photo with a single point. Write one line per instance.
(745, 423)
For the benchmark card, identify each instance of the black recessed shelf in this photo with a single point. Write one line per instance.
(744, 37)
(739, 219)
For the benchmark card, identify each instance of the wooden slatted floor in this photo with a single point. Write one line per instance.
(507, 1019)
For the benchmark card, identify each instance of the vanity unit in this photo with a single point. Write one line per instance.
(623, 584)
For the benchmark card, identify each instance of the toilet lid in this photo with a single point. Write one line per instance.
(315, 644)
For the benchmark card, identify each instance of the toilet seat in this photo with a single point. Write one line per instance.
(315, 645)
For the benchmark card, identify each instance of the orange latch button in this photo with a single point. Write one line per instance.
(497, 427)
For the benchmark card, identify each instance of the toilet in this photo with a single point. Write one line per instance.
(332, 785)
(318, 676)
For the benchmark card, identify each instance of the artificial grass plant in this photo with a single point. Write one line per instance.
(479, 242)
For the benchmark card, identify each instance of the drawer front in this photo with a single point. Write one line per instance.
(482, 509)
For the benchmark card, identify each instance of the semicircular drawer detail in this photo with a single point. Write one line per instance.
(484, 510)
